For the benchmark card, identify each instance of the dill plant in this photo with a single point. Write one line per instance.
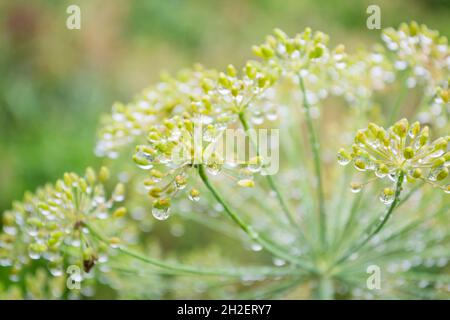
(321, 236)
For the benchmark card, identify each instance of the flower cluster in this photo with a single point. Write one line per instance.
(365, 73)
(297, 54)
(420, 49)
(166, 98)
(438, 112)
(51, 223)
(402, 149)
(249, 93)
(176, 149)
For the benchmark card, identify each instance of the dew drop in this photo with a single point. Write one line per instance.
(356, 187)
(256, 247)
(343, 161)
(56, 271)
(213, 168)
(387, 198)
(194, 198)
(279, 262)
(161, 214)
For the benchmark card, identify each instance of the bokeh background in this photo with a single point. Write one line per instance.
(55, 82)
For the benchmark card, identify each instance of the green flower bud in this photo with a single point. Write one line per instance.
(417, 173)
(223, 80)
(162, 203)
(246, 183)
(267, 51)
(408, 153)
(104, 174)
(360, 164)
(415, 129)
(401, 128)
(317, 52)
(443, 173)
(119, 212)
(231, 70)
(90, 175)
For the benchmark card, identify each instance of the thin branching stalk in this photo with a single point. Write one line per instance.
(315, 148)
(268, 245)
(380, 226)
(270, 180)
(400, 98)
(196, 270)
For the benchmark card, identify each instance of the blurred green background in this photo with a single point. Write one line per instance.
(56, 82)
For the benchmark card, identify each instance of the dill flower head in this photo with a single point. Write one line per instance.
(365, 73)
(50, 223)
(171, 96)
(437, 112)
(246, 91)
(402, 149)
(307, 53)
(422, 50)
(176, 149)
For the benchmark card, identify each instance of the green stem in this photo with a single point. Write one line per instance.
(270, 180)
(315, 148)
(380, 226)
(196, 270)
(400, 98)
(245, 227)
(325, 290)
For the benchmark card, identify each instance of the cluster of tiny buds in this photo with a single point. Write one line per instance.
(51, 223)
(293, 54)
(420, 49)
(402, 149)
(438, 113)
(173, 155)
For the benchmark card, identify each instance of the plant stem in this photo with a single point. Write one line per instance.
(177, 268)
(325, 289)
(246, 228)
(270, 180)
(315, 148)
(386, 217)
(400, 99)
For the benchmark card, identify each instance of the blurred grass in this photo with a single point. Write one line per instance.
(56, 82)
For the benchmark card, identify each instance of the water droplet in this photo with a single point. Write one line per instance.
(161, 214)
(256, 247)
(343, 161)
(437, 153)
(213, 168)
(356, 187)
(447, 188)
(380, 172)
(387, 198)
(279, 262)
(194, 198)
(143, 160)
(56, 271)
(272, 115)
(434, 173)
(102, 215)
(5, 262)
(33, 254)
(255, 165)
(257, 118)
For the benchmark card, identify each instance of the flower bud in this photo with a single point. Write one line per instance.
(246, 183)
(417, 173)
(91, 177)
(104, 174)
(231, 70)
(408, 153)
(119, 212)
(401, 128)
